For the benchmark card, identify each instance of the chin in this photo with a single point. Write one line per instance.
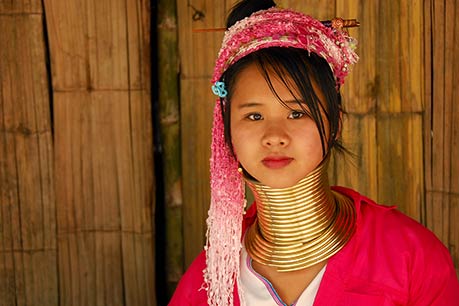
(280, 183)
(282, 180)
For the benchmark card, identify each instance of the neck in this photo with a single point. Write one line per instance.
(299, 226)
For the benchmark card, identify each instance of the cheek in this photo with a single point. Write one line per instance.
(236, 133)
(237, 140)
(310, 142)
(242, 141)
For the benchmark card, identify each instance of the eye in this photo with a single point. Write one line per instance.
(295, 115)
(254, 117)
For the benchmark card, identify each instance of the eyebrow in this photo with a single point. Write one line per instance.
(249, 104)
(253, 104)
(294, 102)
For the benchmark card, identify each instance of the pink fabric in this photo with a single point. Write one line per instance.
(391, 260)
(225, 218)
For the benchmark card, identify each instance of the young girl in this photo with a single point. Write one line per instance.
(277, 118)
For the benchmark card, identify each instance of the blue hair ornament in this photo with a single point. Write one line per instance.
(219, 89)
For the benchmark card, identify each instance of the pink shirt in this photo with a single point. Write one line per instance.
(390, 260)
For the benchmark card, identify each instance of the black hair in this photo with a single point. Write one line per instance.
(300, 71)
(245, 8)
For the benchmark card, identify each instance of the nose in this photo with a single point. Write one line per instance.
(275, 136)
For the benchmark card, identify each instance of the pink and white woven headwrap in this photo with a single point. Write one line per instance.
(286, 28)
(267, 28)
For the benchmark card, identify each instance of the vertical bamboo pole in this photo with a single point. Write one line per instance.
(168, 68)
(359, 96)
(441, 127)
(100, 62)
(399, 106)
(28, 255)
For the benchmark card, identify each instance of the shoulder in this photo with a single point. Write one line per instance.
(397, 231)
(390, 226)
(190, 290)
(393, 251)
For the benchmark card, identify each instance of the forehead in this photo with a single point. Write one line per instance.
(254, 82)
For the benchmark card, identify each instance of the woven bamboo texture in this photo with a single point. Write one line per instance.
(76, 174)
(28, 241)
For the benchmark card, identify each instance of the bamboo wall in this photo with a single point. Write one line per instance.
(402, 123)
(169, 115)
(76, 168)
(28, 224)
(441, 122)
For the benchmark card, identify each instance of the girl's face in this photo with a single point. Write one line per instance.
(276, 145)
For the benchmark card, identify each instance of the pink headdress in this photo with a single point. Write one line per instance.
(267, 28)
(285, 28)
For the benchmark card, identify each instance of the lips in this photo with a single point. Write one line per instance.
(277, 162)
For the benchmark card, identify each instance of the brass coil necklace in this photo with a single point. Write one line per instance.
(299, 226)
